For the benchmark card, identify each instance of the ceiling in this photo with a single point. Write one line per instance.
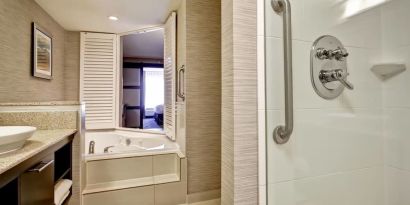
(144, 45)
(92, 15)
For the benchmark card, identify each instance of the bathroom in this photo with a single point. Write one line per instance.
(174, 102)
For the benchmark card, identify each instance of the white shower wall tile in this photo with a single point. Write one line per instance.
(362, 187)
(397, 186)
(395, 22)
(397, 140)
(325, 141)
(396, 93)
(314, 18)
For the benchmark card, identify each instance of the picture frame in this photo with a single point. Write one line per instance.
(42, 53)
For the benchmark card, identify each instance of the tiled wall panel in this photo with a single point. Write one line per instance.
(239, 103)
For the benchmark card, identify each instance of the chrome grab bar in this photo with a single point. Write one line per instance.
(281, 133)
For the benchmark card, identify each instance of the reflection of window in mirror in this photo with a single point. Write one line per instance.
(143, 80)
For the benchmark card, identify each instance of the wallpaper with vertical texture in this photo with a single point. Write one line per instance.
(203, 95)
(72, 66)
(16, 82)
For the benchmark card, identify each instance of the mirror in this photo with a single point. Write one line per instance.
(143, 80)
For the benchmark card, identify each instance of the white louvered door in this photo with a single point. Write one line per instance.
(98, 79)
(170, 76)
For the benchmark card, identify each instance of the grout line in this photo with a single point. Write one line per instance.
(398, 168)
(311, 42)
(327, 175)
(330, 108)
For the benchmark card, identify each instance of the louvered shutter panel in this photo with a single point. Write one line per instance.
(170, 76)
(98, 77)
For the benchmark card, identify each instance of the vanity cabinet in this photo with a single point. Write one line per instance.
(32, 181)
(37, 184)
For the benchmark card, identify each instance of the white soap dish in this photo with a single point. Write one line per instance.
(388, 70)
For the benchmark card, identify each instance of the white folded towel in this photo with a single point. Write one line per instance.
(61, 190)
(62, 199)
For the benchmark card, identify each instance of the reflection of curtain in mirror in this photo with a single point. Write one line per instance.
(154, 87)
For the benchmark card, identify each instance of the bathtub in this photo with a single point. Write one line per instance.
(118, 144)
(131, 165)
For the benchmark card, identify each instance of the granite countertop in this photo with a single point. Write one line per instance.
(50, 103)
(41, 140)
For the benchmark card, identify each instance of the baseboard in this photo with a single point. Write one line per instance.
(204, 196)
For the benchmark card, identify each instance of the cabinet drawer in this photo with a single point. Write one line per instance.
(37, 184)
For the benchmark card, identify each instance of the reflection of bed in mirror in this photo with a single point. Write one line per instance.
(159, 114)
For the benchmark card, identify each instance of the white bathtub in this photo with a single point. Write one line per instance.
(117, 144)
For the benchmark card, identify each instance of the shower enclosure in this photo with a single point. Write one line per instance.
(352, 148)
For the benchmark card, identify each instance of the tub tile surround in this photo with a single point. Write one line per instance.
(146, 180)
(351, 150)
(54, 120)
(163, 169)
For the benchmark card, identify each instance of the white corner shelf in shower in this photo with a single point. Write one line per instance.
(387, 70)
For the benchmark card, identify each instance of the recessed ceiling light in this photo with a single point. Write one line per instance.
(113, 18)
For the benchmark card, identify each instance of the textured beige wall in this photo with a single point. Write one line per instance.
(203, 95)
(16, 83)
(72, 65)
(239, 103)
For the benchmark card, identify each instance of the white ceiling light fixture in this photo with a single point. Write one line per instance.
(113, 18)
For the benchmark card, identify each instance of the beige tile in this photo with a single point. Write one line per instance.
(114, 170)
(165, 164)
(210, 202)
(170, 193)
(239, 103)
(132, 196)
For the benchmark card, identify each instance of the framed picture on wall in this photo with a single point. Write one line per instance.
(42, 53)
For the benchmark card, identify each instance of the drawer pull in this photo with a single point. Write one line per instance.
(40, 167)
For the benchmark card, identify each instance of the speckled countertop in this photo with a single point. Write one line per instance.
(41, 140)
(49, 103)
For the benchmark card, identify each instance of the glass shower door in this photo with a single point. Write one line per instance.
(353, 149)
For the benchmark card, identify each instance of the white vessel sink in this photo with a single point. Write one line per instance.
(13, 137)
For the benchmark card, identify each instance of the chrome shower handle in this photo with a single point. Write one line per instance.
(336, 75)
(281, 133)
(344, 82)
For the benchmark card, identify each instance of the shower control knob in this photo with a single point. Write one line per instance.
(324, 54)
(340, 54)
